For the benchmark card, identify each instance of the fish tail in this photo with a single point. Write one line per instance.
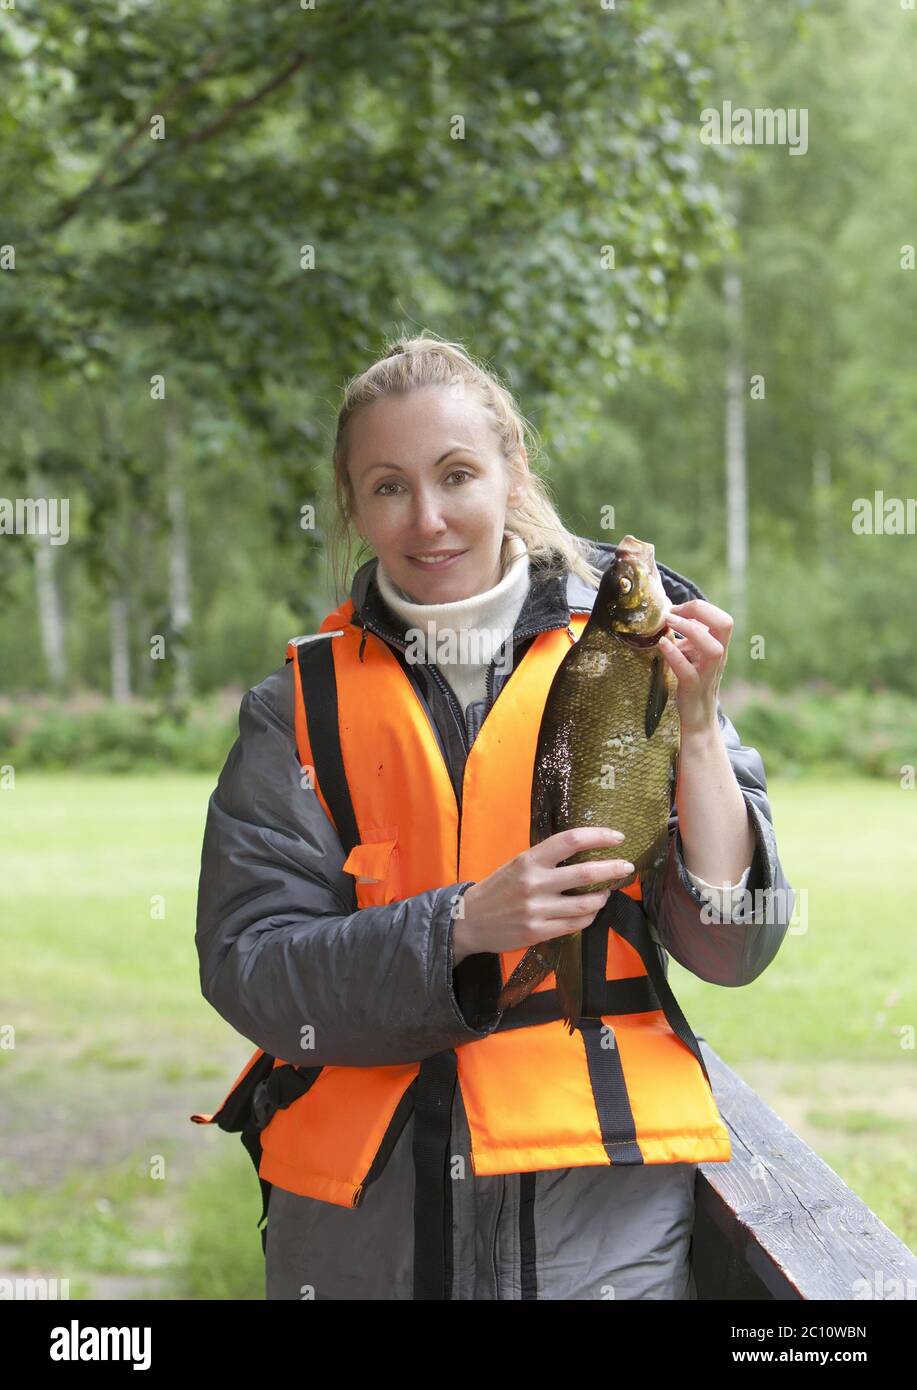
(569, 971)
(535, 966)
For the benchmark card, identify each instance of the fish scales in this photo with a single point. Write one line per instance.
(594, 765)
(607, 752)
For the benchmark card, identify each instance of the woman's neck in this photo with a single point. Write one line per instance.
(462, 638)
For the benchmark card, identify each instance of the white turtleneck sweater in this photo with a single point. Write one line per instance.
(492, 616)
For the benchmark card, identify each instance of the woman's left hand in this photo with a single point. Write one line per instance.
(698, 660)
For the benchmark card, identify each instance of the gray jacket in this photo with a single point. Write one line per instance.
(279, 939)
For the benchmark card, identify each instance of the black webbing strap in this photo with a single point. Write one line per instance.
(320, 697)
(251, 1138)
(434, 1090)
(595, 964)
(625, 916)
(246, 1110)
(603, 1058)
(528, 1248)
(635, 996)
(609, 1090)
(279, 1089)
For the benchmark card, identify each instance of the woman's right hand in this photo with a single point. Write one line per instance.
(524, 901)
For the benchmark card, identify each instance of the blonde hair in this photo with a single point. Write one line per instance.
(410, 364)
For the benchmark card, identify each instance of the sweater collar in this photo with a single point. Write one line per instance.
(549, 602)
(497, 607)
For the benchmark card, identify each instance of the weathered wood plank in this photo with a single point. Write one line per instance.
(777, 1223)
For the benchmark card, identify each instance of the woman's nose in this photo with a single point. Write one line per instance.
(428, 516)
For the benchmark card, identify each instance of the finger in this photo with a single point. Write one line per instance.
(675, 656)
(567, 876)
(561, 908)
(549, 852)
(712, 620)
(566, 926)
(705, 612)
(705, 642)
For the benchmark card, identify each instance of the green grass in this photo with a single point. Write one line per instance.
(844, 981)
(826, 1033)
(101, 1172)
(114, 1045)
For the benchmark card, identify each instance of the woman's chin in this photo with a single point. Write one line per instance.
(446, 583)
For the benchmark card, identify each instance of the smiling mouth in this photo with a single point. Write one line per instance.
(433, 562)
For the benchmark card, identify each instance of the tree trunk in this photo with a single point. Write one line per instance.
(179, 564)
(50, 613)
(118, 550)
(119, 648)
(736, 460)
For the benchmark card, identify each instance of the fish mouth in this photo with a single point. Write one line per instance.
(644, 551)
(643, 639)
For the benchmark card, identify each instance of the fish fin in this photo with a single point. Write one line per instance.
(658, 697)
(535, 966)
(569, 972)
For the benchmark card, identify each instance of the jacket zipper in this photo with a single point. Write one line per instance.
(460, 720)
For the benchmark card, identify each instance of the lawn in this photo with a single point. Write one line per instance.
(106, 1045)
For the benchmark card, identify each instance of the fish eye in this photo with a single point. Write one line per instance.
(625, 585)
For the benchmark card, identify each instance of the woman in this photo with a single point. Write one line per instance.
(335, 933)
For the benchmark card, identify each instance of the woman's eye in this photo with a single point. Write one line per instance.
(456, 472)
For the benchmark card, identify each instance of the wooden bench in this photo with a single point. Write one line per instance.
(777, 1223)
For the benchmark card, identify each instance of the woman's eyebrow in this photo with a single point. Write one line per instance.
(457, 449)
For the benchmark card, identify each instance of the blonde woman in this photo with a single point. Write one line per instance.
(367, 885)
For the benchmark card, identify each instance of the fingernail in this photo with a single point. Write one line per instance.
(627, 866)
(616, 835)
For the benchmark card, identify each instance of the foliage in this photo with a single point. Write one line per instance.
(850, 731)
(332, 128)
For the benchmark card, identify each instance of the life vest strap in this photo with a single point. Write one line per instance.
(625, 916)
(630, 996)
(319, 695)
(434, 1090)
(279, 1089)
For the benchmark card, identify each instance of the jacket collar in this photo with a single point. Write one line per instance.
(548, 603)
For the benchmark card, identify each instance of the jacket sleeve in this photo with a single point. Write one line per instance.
(725, 953)
(283, 955)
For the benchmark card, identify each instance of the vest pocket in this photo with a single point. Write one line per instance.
(374, 865)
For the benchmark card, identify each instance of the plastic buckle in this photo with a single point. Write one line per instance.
(263, 1108)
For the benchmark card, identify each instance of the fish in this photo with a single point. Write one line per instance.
(607, 752)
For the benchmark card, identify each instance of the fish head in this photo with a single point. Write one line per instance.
(631, 600)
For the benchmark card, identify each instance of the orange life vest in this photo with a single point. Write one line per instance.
(628, 1086)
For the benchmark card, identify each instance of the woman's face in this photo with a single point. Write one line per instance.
(428, 479)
